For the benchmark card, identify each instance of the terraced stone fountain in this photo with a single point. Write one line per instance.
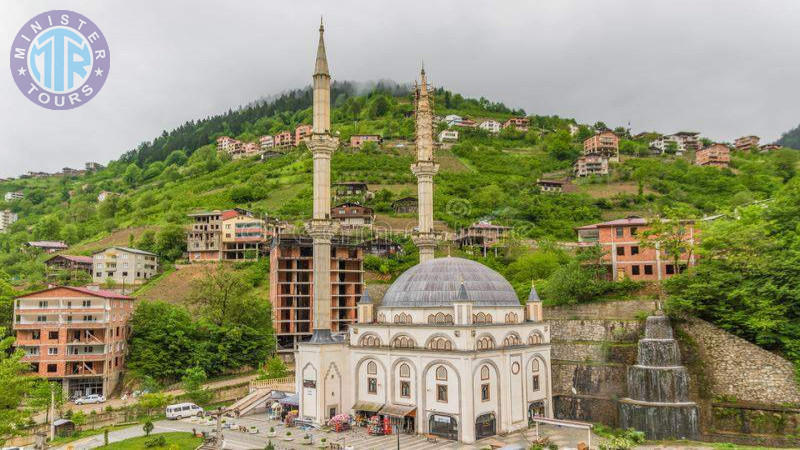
(658, 387)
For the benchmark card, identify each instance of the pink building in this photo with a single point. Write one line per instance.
(302, 133)
(590, 165)
(266, 142)
(357, 140)
(605, 143)
(284, 139)
(75, 336)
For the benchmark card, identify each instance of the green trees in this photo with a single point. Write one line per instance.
(192, 382)
(170, 242)
(748, 281)
(15, 386)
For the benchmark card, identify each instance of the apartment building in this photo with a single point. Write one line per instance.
(232, 234)
(448, 136)
(243, 236)
(716, 155)
(266, 143)
(124, 266)
(481, 234)
(492, 126)
(291, 287)
(746, 143)
(590, 165)
(684, 141)
(302, 134)
(353, 216)
(605, 143)
(624, 254)
(520, 123)
(12, 196)
(6, 219)
(284, 140)
(74, 336)
(452, 119)
(358, 140)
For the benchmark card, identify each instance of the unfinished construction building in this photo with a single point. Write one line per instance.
(291, 287)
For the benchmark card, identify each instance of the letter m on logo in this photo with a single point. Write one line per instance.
(19, 53)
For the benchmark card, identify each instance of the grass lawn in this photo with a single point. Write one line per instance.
(183, 441)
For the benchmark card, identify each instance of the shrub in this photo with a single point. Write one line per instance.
(158, 441)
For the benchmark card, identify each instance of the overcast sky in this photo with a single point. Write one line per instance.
(724, 68)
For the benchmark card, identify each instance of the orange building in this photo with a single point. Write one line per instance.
(624, 253)
(746, 143)
(717, 155)
(302, 133)
(357, 140)
(74, 336)
(520, 123)
(605, 143)
(284, 139)
(291, 287)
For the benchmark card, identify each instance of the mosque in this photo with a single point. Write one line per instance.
(449, 351)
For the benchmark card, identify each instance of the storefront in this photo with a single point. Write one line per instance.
(443, 426)
(485, 426)
(364, 411)
(401, 416)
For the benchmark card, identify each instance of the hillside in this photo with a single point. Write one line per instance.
(481, 177)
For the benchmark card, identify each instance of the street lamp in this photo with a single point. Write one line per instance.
(397, 432)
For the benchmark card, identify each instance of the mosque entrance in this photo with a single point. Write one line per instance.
(536, 409)
(485, 426)
(443, 426)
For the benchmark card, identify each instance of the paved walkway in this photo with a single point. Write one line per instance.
(566, 438)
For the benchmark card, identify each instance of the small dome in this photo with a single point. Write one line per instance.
(437, 283)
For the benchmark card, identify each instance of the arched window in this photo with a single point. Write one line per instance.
(381, 318)
(431, 319)
(403, 342)
(448, 318)
(402, 318)
(488, 318)
(511, 317)
(439, 317)
(512, 340)
(441, 373)
(485, 343)
(479, 318)
(370, 341)
(372, 368)
(440, 343)
(535, 365)
(485, 373)
(405, 370)
(535, 338)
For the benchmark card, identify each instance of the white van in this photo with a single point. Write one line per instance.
(181, 410)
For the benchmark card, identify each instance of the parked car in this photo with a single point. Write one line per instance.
(94, 398)
(183, 410)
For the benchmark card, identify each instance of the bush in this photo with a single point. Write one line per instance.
(158, 441)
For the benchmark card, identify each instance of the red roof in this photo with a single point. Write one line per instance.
(74, 258)
(229, 214)
(628, 221)
(95, 292)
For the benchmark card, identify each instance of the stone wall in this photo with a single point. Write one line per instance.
(596, 330)
(629, 310)
(736, 369)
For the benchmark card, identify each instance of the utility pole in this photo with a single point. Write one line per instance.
(51, 412)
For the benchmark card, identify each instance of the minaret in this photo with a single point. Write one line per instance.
(424, 169)
(322, 145)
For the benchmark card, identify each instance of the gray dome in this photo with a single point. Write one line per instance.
(437, 282)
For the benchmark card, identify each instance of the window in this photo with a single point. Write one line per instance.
(441, 373)
(403, 342)
(635, 250)
(405, 389)
(535, 383)
(620, 231)
(620, 251)
(372, 368)
(635, 270)
(52, 351)
(372, 385)
(670, 269)
(634, 231)
(52, 368)
(441, 393)
(485, 343)
(440, 343)
(52, 335)
(43, 304)
(87, 303)
(41, 318)
(35, 334)
(648, 269)
(484, 392)
(485, 373)
(405, 370)
(535, 339)
(511, 340)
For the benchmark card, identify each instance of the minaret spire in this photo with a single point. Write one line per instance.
(322, 145)
(424, 169)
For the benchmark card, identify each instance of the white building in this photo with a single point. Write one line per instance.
(124, 266)
(6, 219)
(448, 136)
(266, 142)
(11, 196)
(492, 126)
(684, 140)
(452, 120)
(450, 351)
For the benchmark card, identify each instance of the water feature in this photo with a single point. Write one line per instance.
(658, 387)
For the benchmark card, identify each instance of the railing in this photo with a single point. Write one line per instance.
(274, 383)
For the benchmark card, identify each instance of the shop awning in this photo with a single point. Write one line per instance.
(367, 406)
(399, 410)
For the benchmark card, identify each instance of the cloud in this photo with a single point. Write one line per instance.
(724, 68)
